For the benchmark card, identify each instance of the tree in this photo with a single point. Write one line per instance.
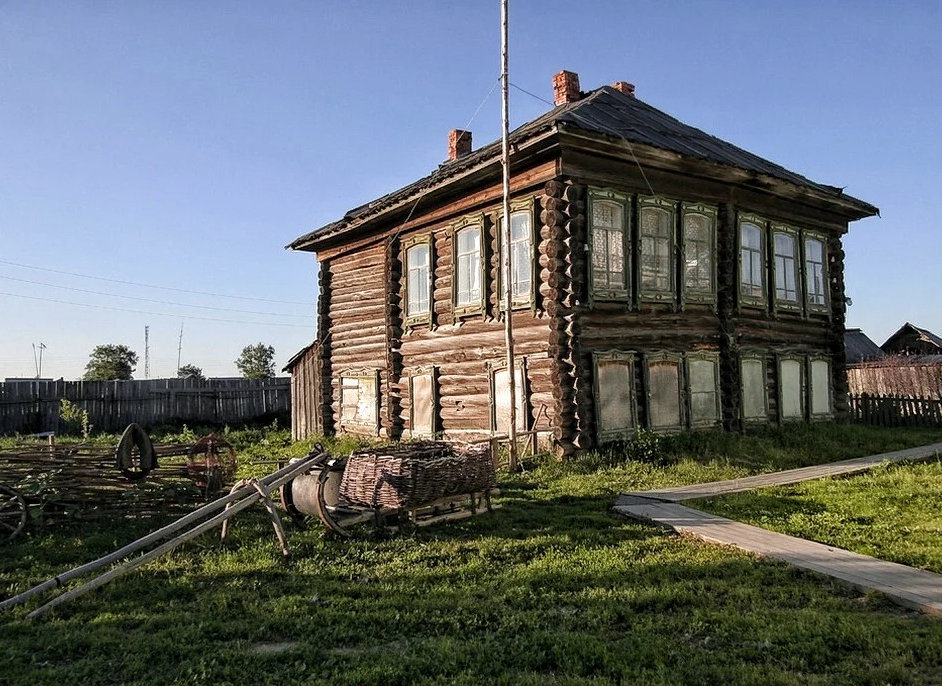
(190, 371)
(110, 362)
(257, 361)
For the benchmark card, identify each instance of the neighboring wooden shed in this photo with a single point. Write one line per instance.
(661, 278)
(305, 370)
(911, 340)
(861, 348)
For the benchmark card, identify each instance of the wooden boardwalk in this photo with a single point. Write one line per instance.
(912, 588)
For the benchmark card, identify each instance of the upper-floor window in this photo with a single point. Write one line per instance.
(607, 245)
(786, 267)
(657, 249)
(418, 283)
(751, 259)
(468, 267)
(814, 273)
(699, 232)
(521, 257)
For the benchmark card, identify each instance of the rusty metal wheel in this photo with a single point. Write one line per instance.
(12, 513)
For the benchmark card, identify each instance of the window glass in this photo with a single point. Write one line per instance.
(608, 246)
(698, 253)
(753, 389)
(814, 271)
(664, 394)
(791, 396)
(703, 391)
(786, 268)
(468, 256)
(820, 387)
(417, 263)
(750, 282)
(656, 272)
(521, 257)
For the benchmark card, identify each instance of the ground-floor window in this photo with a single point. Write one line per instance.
(703, 389)
(754, 396)
(664, 391)
(500, 399)
(791, 392)
(359, 401)
(820, 387)
(423, 397)
(614, 395)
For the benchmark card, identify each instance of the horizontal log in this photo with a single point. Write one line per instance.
(550, 203)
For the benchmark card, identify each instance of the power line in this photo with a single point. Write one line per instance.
(159, 314)
(148, 300)
(147, 285)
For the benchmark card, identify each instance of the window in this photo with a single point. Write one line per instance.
(469, 293)
(815, 281)
(657, 249)
(699, 231)
(614, 395)
(751, 260)
(791, 395)
(500, 400)
(820, 375)
(418, 281)
(359, 401)
(521, 257)
(785, 245)
(664, 398)
(423, 396)
(703, 385)
(607, 245)
(754, 402)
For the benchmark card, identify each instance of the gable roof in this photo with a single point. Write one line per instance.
(610, 113)
(921, 335)
(860, 347)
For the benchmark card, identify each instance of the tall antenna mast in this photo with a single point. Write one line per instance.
(39, 372)
(146, 352)
(508, 287)
(180, 346)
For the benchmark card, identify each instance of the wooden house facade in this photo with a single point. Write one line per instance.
(661, 278)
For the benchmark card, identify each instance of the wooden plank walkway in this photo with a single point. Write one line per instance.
(912, 588)
(791, 476)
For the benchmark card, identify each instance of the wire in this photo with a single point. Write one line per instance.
(148, 300)
(159, 314)
(147, 285)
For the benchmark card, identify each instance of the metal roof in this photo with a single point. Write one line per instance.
(609, 112)
(860, 347)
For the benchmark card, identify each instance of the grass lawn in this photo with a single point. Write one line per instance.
(552, 588)
(891, 512)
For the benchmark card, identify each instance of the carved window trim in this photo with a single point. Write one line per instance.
(749, 358)
(815, 307)
(802, 391)
(468, 224)
(714, 360)
(626, 358)
(689, 294)
(677, 360)
(780, 267)
(350, 379)
(650, 293)
(748, 297)
(425, 316)
(607, 291)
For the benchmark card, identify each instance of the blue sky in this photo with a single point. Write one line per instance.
(183, 144)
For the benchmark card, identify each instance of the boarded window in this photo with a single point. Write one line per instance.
(664, 394)
(814, 272)
(704, 396)
(698, 254)
(820, 387)
(791, 395)
(468, 266)
(501, 400)
(359, 402)
(614, 397)
(423, 404)
(753, 389)
(418, 286)
(751, 261)
(657, 273)
(786, 267)
(608, 249)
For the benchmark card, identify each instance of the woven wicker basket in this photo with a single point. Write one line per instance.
(412, 474)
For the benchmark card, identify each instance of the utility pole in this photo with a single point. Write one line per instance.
(39, 372)
(146, 352)
(180, 347)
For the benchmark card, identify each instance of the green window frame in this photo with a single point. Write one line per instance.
(754, 388)
(657, 250)
(665, 390)
(820, 393)
(752, 260)
(469, 291)
(786, 260)
(698, 253)
(791, 388)
(359, 401)
(609, 253)
(814, 252)
(703, 389)
(616, 411)
(523, 272)
(418, 269)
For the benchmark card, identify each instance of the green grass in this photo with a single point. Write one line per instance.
(891, 512)
(551, 588)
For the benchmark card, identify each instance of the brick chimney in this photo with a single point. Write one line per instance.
(459, 143)
(624, 87)
(566, 87)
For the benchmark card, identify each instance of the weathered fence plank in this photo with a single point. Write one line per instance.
(882, 410)
(34, 406)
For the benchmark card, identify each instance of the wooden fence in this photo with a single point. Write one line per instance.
(33, 406)
(879, 410)
(898, 376)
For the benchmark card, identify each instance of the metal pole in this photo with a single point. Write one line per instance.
(508, 287)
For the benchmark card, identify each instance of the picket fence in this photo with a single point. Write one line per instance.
(881, 410)
(34, 406)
